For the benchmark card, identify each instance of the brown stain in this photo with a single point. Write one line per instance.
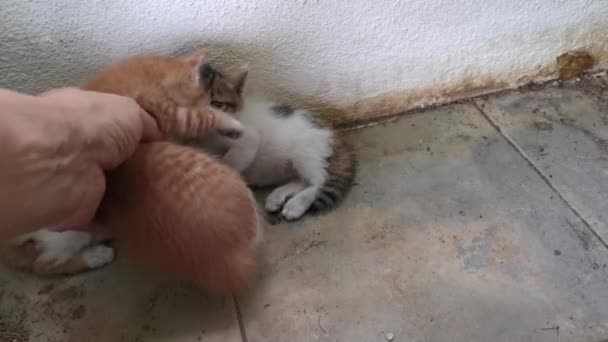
(390, 105)
(371, 110)
(78, 312)
(573, 63)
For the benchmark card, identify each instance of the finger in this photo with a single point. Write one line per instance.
(57, 91)
(150, 130)
(119, 133)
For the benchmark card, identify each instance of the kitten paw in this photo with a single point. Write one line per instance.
(278, 197)
(98, 256)
(231, 129)
(294, 209)
(274, 203)
(230, 133)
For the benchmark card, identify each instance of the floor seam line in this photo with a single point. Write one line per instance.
(540, 173)
(239, 319)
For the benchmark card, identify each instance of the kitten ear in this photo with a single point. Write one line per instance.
(240, 78)
(197, 57)
(205, 75)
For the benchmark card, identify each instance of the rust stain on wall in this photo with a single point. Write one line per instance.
(573, 63)
(473, 83)
(390, 105)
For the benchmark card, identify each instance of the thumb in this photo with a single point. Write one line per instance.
(121, 134)
(150, 130)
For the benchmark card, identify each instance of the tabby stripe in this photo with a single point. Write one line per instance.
(189, 124)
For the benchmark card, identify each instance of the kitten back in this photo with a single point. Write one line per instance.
(179, 211)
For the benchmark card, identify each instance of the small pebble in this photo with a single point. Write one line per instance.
(390, 336)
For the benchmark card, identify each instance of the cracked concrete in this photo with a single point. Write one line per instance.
(480, 221)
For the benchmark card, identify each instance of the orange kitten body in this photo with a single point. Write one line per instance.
(182, 212)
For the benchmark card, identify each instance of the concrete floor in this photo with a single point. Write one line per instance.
(481, 221)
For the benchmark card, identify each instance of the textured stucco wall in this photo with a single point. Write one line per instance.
(332, 52)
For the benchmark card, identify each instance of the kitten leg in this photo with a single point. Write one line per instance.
(187, 123)
(68, 252)
(90, 258)
(296, 206)
(278, 196)
(227, 125)
(313, 172)
(196, 122)
(58, 247)
(242, 151)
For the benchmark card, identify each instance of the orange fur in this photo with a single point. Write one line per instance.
(174, 90)
(180, 211)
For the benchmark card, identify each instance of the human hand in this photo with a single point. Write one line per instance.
(55, 149)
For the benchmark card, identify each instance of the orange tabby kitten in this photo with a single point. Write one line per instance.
(180, 211)
(175, 91)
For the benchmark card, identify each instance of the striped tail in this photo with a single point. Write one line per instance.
(341, 170)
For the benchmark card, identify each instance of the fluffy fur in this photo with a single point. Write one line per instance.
(285, 146)
(180, 211)
(175, 90)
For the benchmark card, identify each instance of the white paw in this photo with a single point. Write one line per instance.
(231, 128)
(53, 257)
(274, 202)
(294, 208)
(98, 256)
(278, 196)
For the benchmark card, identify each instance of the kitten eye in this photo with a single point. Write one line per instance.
(218, 105)
(224, 106)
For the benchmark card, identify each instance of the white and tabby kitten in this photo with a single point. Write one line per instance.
(294, 149)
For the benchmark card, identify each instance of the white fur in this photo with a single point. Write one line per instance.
(98, 255)
(242, 155)
(281, 150)
(278, 196)
(58, 247)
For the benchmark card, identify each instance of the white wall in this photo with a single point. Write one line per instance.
(334, 52)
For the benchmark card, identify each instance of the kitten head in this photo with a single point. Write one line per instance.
(189, 78)
(183, 80)
(226, 91)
